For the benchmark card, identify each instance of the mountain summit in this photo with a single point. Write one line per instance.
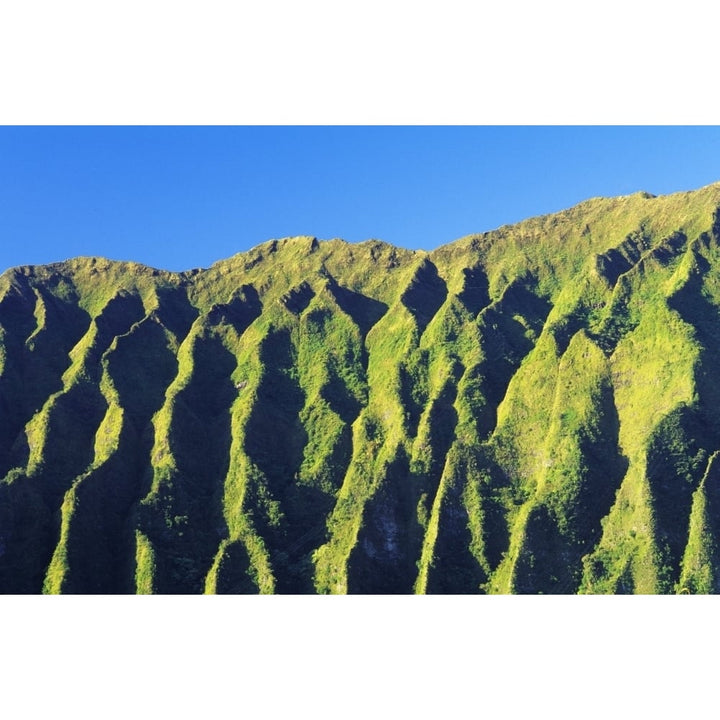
(530, 410)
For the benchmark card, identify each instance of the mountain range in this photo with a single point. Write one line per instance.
(534, 409)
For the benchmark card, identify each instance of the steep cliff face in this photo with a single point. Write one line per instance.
(532, 410)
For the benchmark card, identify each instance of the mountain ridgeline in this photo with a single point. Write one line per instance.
(530, 410)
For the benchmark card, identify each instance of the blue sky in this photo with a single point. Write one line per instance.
(184, 197)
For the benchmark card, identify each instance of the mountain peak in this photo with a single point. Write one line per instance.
(531, 409)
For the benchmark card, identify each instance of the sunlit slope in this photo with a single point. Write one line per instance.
(531, 410)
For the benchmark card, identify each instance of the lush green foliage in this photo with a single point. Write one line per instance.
(532, 410)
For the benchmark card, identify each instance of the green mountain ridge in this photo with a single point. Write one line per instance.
(528, 410)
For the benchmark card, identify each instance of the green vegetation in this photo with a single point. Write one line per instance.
(530, 410)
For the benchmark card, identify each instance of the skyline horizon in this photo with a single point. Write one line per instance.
(183, 197)
(429, 250)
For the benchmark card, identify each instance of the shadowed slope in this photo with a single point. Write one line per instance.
(181, 521)
(36, 355)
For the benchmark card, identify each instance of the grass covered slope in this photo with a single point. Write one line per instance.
(531, 410)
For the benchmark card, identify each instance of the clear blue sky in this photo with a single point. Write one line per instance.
(184, 197)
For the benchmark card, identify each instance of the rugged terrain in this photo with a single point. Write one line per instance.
(530, 410)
